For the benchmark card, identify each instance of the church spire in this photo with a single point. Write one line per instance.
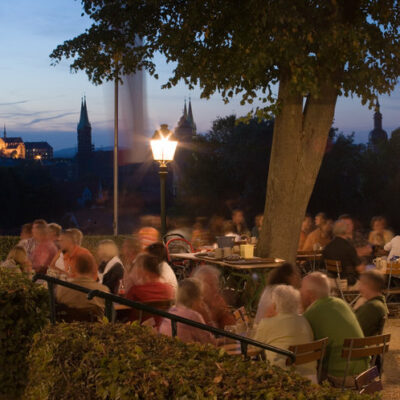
(190, 116)
(185, 114)
(4, 132)
(377, 116)
(84, 117)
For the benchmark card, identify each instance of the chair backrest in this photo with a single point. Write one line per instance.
(333, 266)
(308, 352)
(241, 315)
(365, 347)
(68, 314)
(369, 381)
(178, 245)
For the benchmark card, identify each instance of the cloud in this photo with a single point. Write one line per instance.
(37, 120)
(13, 103)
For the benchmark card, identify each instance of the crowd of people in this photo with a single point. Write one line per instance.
(292, 309)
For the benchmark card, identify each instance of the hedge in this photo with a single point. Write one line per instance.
(24, 310)
(105, 361)
(90, 242)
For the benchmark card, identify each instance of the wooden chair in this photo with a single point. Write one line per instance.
(392, 269)
(369, 381)
(335, 267)
(308, 352)
(68, 314)
(308, 258)
(241, 316)
(356, 348)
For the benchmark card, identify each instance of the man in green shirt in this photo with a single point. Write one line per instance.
(372, 314)
(331, 317)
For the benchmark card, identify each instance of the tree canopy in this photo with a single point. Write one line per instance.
(244, 47)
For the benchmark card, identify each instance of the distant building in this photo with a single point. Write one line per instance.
(85, 147)
(186, 127)
(11, 147)
(377, 136)
(38, 151)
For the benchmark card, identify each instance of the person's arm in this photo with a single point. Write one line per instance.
(388, 246)
(113, 278)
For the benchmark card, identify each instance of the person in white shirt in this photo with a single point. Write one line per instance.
(393, 247)
(167, 273)
(283, 327)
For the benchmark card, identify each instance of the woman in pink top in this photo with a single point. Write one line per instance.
(189, 294)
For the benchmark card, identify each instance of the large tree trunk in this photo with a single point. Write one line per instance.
(299, 142)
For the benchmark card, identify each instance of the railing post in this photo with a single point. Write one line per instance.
(50, 286)
(109, 310)
(174, 328)
(243, 348)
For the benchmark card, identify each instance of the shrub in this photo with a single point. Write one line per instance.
(23, 312)
(6, 244)
(106, 361)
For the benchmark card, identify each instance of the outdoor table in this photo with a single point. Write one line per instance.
(246, 277)
(312, 256)
(234, 349)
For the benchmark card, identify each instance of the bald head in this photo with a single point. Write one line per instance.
(313, 287)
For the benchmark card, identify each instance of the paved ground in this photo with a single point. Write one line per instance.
(391, 376)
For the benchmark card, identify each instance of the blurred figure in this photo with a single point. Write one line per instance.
(283, 327)
(17, 260)
(83, 277)
(44, 249)
(239, 222)
(217, 312)
(78, 235)
(129, 251)
(189, 299)
(54, 232)
(258, 221)
(167, 273)
(26, 231)
(379, 235)
(342, 250)
(71, 249)
(372, 313)
(393, 247)
(149, 286)
(306, 229)
(320, 237)
(320, 219)
(216, 227)
(356, 238)
(147, 234)
(229, 230)
(286, 274)
(111, 270)
(200, 236)
(180, 226)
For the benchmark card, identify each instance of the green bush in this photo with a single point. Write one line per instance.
(6, 244)
(90, 242)
(24, 310)
(106, 361)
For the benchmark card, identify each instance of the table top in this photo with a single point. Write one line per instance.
(192, 256)
(234, 349)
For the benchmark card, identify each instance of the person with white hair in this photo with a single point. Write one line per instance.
(342, 250)
(333, 318)
(284, 327)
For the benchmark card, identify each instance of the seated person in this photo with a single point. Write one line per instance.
(340, 249)
(320, 237)
(372, 313)
(83, 277)
(189, 294)
(393, 247)
(167, 273)
(284, 327)
(215, 311)
(286, 274)
(229, 230)
(306, 229)
(333, 318)
(149, 286)
(111, 270)
(17, 260)
(379, 235)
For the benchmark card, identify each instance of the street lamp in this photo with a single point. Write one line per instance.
(163, 146)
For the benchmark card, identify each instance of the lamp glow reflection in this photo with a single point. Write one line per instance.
(163, 147)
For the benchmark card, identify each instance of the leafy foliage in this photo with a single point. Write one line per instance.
(244, 48)
(23, 312)
(6, 244)
(105, 361)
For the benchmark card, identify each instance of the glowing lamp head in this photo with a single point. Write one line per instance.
(163, 145)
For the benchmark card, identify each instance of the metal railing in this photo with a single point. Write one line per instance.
(112, 298)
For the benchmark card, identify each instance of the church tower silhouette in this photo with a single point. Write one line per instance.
(84, 129)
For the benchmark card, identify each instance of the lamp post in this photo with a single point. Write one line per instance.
(163, 146)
